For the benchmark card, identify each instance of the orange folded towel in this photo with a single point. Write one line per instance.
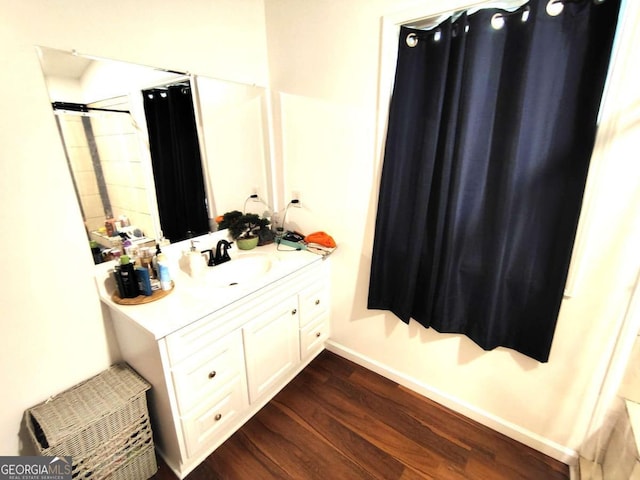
(321, 238)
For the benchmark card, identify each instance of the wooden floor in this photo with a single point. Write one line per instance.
(337, 420)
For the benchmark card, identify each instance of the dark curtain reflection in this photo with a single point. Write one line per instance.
(489, 139)
(175, 156)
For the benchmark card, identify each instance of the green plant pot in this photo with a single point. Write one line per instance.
(247, 243)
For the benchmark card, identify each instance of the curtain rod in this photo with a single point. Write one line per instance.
(473, 7)
(433, 20)
(81, 107)
(169, 82)
(164, 87)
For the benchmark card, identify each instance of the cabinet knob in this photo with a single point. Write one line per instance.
(294, 311)
(318, 302)
(212, 374)
(318, 334)
(218, 416)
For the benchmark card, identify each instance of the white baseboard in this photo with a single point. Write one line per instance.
(511, 430)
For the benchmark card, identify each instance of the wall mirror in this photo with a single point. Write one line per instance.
(100, 112)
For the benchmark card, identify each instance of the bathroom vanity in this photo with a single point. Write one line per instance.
(219, 347)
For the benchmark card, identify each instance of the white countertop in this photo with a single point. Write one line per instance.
(191, 298)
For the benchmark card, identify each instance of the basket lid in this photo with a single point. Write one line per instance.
(85, 403)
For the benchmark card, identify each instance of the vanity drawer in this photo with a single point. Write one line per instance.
(206, 424)
(183, 343)
(313, 335)
(314, 302)
(207, 371)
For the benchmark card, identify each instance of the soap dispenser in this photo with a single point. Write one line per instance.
(195, 261)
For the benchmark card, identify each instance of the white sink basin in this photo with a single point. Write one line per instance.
(244, 268)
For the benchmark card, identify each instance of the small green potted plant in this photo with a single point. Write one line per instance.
(247, 229)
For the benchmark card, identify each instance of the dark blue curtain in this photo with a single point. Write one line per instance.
(175, 156)
(489, 138)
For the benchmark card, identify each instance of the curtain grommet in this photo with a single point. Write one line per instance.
(497, 21)
(554, 8)
(412, 40)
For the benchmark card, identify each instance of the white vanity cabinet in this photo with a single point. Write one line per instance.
(212, 373)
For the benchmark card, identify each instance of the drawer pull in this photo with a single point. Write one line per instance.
(294, 311)
(318, 334)
(217, 417)
(318, 302)
(212, 374)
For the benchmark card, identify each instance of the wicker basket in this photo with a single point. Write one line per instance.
(102, 423)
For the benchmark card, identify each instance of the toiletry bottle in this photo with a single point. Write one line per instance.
(110, 226)
(197, 265)
(95, 251)
(163, 272)
(154, 260)
(146, 259)
(127, 247)
(118, 279)
(144, 283)
(128, 277)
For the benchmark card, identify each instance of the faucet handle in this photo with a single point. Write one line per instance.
(222, 255)
(193, 245)
(210, 261)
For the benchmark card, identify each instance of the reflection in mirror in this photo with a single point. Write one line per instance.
(176, 161)
(103, 124)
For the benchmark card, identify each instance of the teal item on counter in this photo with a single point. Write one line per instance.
(144, 282)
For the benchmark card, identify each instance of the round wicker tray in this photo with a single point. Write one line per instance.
(141, 299)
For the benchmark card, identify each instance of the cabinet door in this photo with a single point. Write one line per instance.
(271, 348)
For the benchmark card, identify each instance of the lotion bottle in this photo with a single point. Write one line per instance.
(196, 263)
(163, 272)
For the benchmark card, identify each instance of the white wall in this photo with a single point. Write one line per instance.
(52, 330)
(324, 58)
